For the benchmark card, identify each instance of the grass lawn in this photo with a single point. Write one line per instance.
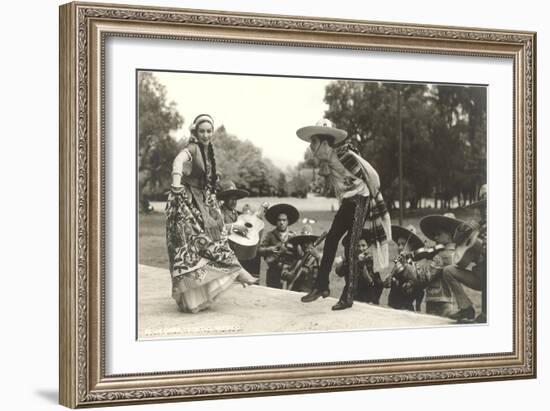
(152, 241)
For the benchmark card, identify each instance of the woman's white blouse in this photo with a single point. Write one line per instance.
(182, 163)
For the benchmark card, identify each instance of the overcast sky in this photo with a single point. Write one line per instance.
(265, 110)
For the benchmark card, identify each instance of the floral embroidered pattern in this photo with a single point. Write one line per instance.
(186, 239)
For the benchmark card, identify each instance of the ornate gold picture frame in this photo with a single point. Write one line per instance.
(85, 29)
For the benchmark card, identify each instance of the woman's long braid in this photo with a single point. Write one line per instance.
(214, 174)
(203, 156)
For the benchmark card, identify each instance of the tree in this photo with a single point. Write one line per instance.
(243, 163)
(156, 119)
(443, 135)
(366, 110)
(282, 186)
(298, 186)
(460, 149)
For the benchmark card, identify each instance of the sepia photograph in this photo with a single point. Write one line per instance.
(271, 204)
(267, 204)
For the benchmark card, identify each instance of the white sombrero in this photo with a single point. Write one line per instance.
(324, 127)
(305, 236)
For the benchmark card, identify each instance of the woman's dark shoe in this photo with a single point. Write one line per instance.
(465, 314)
(315, 294)
(342, 305)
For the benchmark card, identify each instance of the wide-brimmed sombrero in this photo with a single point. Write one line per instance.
(228, 189)
(482, 202)
(431, 224)
(282, 208)
(409, 234)
(323, 127)
(305, 236)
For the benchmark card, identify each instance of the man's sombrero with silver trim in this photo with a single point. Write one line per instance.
(323, 127)
(305, 236)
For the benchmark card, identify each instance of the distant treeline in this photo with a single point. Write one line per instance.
(238, 160)
(444, 135)
(443, 142)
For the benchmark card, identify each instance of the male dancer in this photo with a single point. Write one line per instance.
(357, 186)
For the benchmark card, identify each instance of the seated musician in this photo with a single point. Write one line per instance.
(368, 283)
(228, 195)
(274, 247)
(474, 277)
(405, 289)
(301, 275)
(439, 228)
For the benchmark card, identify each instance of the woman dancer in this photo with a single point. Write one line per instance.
(202, 264)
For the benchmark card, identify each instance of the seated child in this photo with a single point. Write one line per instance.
(368, 283)
(404, 287)
(301, 274)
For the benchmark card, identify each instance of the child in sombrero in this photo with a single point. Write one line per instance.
(274, 247)
(301, 275)
(405, 289)
(368, 283)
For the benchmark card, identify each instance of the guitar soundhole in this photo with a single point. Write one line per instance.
(247, 225)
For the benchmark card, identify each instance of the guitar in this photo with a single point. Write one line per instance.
(469, 250)
(296, 270)
(246, 245)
